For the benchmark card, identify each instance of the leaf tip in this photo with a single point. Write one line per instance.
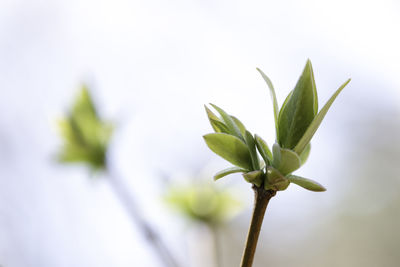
(261, 72)
(208, 110)
(320, 188)
(345, 84)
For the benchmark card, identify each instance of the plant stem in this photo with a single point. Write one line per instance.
(217, 246)
(151, 235)
(261, 199)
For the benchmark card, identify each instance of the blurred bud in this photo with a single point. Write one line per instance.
(203, 203)
(85, 136)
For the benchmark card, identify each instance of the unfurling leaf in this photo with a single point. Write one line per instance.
(228, 171)
(306, 183)
(309, 133)
(211, 114)
(233, 128)
(230, 148)
(286, 101)
(252, 149)
(219, 126)
(240, 125)
(216, 123)
(276, 155)
(263, 149)
(273, 97)
(299, 110)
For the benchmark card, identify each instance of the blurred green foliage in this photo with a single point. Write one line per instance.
(203, 202)
(85, 136)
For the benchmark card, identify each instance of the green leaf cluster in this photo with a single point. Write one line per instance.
(203, 202)
(85, 136)
(295, 124)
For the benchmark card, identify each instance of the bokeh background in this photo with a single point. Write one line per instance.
(151, 65)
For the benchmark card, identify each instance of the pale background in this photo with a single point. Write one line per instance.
(152, 65)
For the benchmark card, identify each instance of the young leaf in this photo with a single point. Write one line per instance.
(211, 114)
(240, 125)
(304, 155)
(263, 149)
(215, 122)
(290, 161)
(309, 133)
(306, 183)
(276, 155)
(230, 148)
(229, 122)
(228, 171)
(314, 90)
(273, 96)
(219, 126)
(299, 111)
(284, 104)
(252, 149)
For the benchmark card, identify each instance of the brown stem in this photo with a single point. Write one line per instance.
(261, 199)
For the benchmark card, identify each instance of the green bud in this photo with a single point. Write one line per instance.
(295, 123)
(254, 177)
(275, 180)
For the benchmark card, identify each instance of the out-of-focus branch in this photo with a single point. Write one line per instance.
(217, 246)
(130, 205)
(86, 138)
